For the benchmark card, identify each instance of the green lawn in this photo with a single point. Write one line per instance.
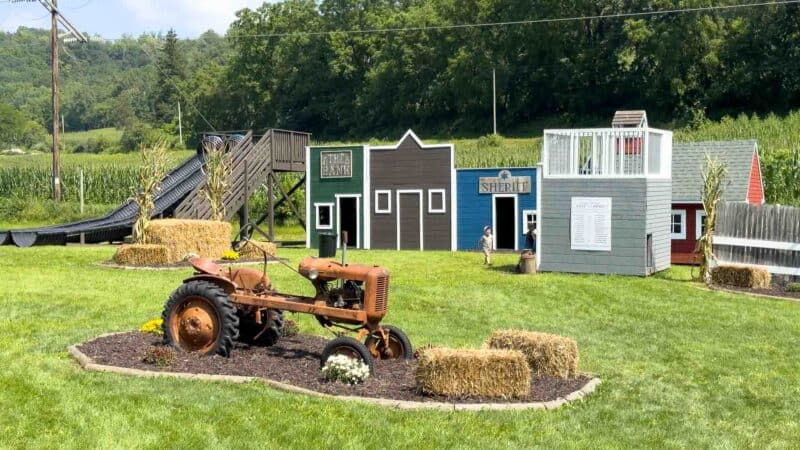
(682, 366)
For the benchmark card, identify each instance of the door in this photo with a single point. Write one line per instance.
(409, 220)
(505, 222)
(348, 219)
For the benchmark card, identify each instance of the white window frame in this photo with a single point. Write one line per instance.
(339, 218)
(378, 193)
(331, 207)
(682, 234)
(699, 216)
(443, 209)
(525, 213)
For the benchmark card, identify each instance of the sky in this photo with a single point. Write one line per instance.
(113, 18)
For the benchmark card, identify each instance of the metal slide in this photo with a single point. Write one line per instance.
(116, 225)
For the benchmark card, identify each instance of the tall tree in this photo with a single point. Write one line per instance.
(171, 74)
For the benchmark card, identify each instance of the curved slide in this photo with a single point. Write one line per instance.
(117, 224)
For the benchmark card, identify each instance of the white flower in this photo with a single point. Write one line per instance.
(345, 369)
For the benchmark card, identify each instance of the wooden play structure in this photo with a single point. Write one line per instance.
(255, 161)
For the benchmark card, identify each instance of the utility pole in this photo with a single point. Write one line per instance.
(494, 103)
(180, 126)
(55, 19)
(56, 108)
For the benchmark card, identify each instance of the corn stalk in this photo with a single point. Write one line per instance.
(714, 182)
(217, 172)
(151, 171)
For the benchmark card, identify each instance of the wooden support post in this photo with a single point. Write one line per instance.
(244, 211)
(271, 207)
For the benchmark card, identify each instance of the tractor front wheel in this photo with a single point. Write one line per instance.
(392, 343)
(199, 317)
(345, 345)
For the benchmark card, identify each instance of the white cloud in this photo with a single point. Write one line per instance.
(193, 16)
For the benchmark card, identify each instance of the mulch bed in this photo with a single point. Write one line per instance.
(775, 290)
(295, 360)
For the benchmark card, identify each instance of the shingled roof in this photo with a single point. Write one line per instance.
(688, 160)
(629, 119)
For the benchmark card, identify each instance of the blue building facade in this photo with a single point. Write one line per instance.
(504, 199)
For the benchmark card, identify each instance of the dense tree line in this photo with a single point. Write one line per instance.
(680, 67)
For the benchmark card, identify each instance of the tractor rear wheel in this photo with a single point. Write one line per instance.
(396, 345)
(345, 345)
(199, 317)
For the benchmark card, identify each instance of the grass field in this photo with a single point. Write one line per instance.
(682, 367)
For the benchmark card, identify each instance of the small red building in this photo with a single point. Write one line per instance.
(744, 185)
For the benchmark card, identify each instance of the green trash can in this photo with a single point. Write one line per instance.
(327, 245)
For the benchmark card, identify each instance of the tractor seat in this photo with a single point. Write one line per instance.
(206, 265)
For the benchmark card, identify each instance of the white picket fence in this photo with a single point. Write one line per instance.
(766, 236)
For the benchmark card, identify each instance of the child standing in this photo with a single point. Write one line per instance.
(485, 244)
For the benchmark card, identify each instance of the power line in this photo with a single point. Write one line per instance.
(521, 22)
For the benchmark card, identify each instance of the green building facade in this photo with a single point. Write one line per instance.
(335, 187)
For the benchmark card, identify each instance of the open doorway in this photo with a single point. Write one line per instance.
(505, 222)
(348, 219)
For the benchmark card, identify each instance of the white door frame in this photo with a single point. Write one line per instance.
(359, 238)
(421, 216)
(516, 219)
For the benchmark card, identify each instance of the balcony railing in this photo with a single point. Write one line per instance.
(607, 153)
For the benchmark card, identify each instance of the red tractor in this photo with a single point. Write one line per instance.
(217, 306)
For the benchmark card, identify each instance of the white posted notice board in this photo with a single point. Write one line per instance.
(590, 225)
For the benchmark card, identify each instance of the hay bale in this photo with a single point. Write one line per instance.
(250, 250)
(741, 276)
(142, 255)
(473, 372)
(547, 354)
(206, 238)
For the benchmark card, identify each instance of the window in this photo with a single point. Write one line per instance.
(678, 224)
(436, 201)
(383, 202)
(699, 223)
(324, 216)
(529, 220)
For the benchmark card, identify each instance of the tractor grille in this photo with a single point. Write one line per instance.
(381, 293)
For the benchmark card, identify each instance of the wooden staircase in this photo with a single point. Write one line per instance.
(251, 165)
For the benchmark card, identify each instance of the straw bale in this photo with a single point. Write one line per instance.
(547, 354)
(205, 238)
(473, 372)
(741, 276)
(142, 255)
(250, 250)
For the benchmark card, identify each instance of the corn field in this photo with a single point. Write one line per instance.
(103, 184)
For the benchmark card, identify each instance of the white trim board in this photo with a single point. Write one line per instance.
(359, 227)
(366, 241)
(308, 196)
(453, 201)
(494, 219)
(421, 216)
(758, 243)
